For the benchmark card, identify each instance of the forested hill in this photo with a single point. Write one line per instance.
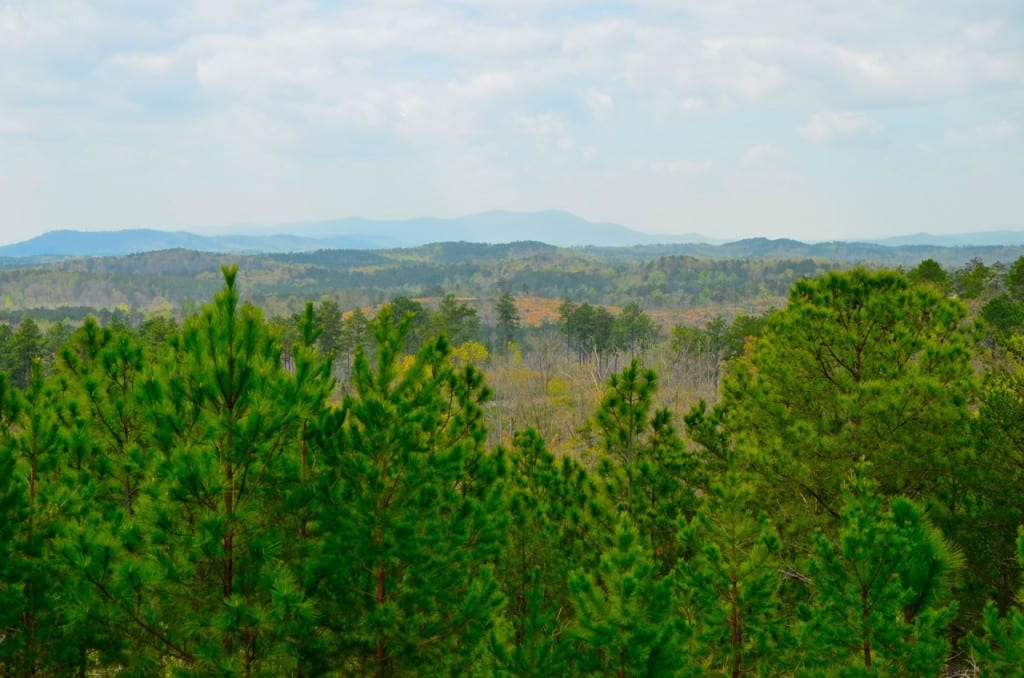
(672, 276)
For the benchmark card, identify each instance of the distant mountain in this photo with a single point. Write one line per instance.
(133, 241)
(558, 228)
(978, 239)
(553, 227)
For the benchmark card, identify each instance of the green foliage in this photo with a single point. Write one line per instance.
(1003, 315)
(633, 331)
(355, 332)
(394, 600)
(329, 318)
(403, 308)
(26, 346)
(456, 321)
(155, 333)
(929, 272)
(643, 464)
(588, 329)
(508, 318)
(229, 432)
(553, 529)
(974, 280)
(859, 365)
(1014, 281)
(879, 605)
(189, 502)
(538, 646)
(999, 505)
(42, 635)
(729, 587)
(625, 618)
(999, 650)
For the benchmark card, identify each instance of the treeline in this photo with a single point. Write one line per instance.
(183, 499)
(170, 280)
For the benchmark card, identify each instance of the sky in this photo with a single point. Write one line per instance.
(731, 118)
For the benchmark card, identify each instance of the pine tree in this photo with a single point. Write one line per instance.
(729, 587)
(643, 464)
(999, 650)
(508, 319)
(880, 605)
(553, 529)
(860, 365)
(43, 639)
(626, 622)
(107, 458)
(538, 646)
(331, 322)
(104, 369)
(294, 595)
(997, 479)
(409, 537)
(13, 514)
(456, 321)
(229, 433)
(354, 332)
(26, 348)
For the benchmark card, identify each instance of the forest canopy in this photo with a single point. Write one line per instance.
(220, 495)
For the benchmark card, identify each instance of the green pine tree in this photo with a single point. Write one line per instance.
(860, 365)
(538, 645)
(880, 604)
(409, 537)
(508, 319)
(229, 435)
(647, 473)
(626, 621)
(998, 651)
(46, 639)
(554, 528)
(729, 588)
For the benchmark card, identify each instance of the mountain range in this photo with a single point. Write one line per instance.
(558, 228)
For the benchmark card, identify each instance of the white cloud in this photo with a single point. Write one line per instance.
(599, 103)
(692, 105)
(982, 32)
(1000, 131)
(393, 90)
(823, 127)
(541, 125)
(760, 153)
(983, 135)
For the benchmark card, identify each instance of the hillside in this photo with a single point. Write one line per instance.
(672, 277)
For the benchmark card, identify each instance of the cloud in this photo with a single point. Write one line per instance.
(982, 135)
(692, 105)
(599, 103)
(1000, 131)
(823, 127)
(541, 125)
(760, 153)
(418, 98)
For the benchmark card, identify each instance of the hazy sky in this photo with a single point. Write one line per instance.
(725, 117)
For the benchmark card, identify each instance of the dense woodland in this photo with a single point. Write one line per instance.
(749, 275)
(833, 488)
